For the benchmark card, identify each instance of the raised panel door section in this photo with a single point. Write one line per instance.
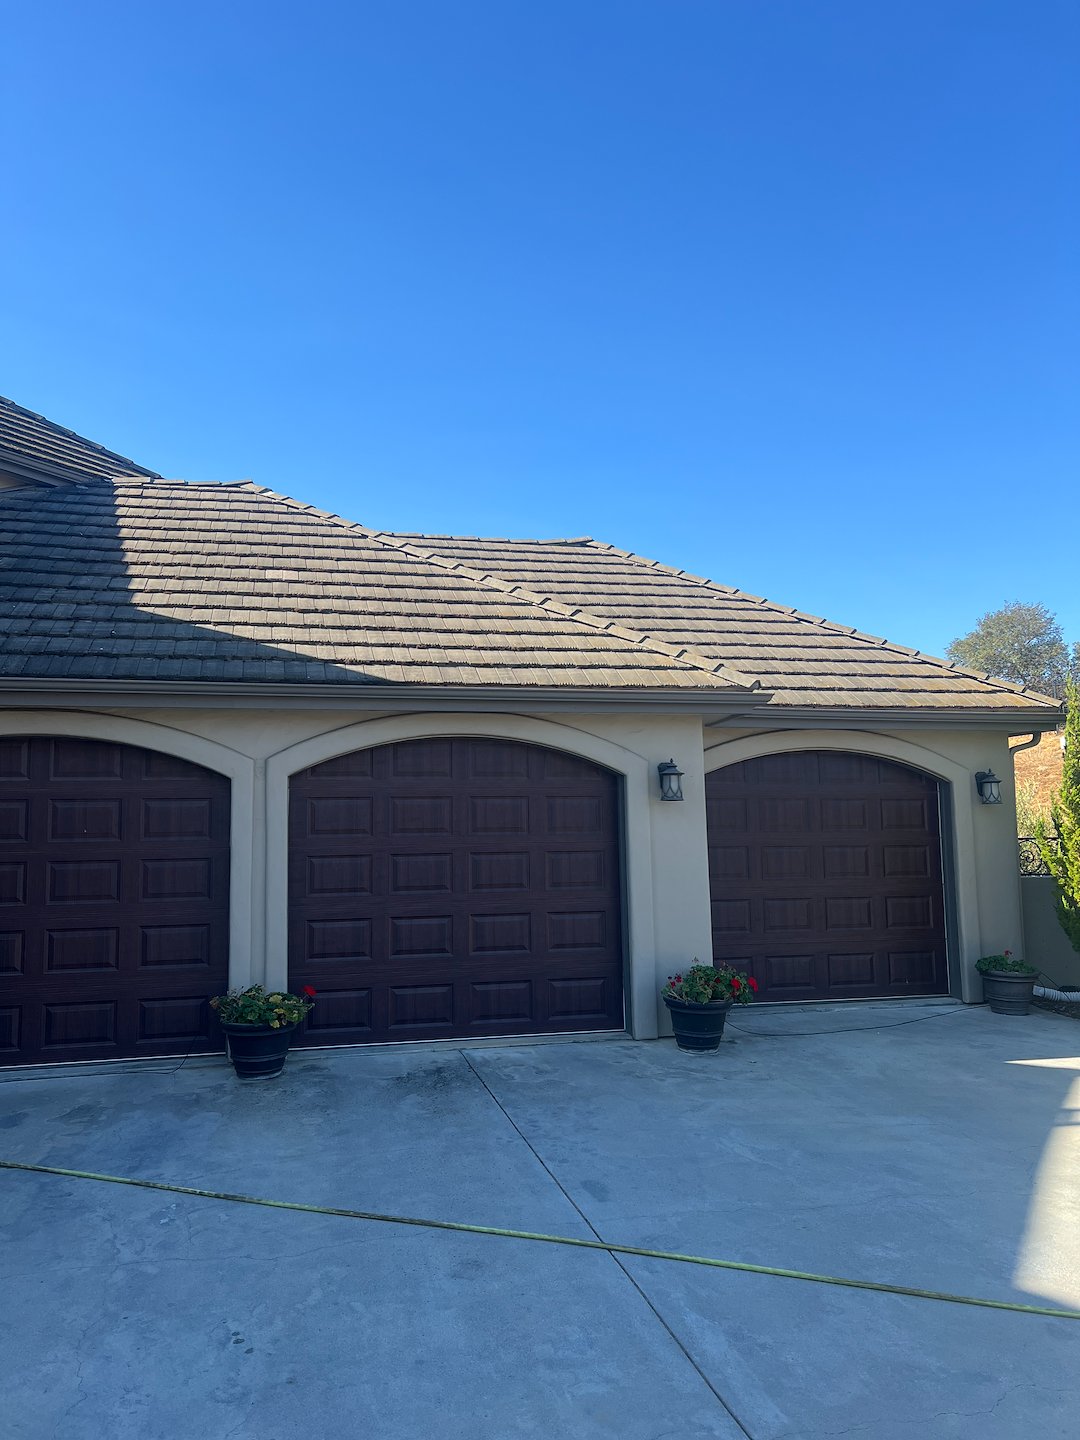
(455, 887)
(826, 878)
(114, 901)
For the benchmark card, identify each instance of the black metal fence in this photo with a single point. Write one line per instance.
(1031, 860)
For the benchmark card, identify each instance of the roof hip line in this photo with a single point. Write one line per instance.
(692, 659)
(1008, 687)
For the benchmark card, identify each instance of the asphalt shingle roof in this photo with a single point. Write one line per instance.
(30, 443)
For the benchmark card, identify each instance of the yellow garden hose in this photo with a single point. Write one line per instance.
(603, 1245)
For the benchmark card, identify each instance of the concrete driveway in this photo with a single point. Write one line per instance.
(936, 1154)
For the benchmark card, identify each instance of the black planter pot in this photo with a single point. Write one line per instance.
(1008, 993)
(256, 1051)
(697, 1027)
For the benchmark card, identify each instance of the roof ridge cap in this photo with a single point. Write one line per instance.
(74, 435)
(682, 655)
(493, 539)
(995, 682)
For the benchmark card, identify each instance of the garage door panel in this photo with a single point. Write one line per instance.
(421, 874)
(495, 760)
(80, 1025)
(845, 862)
(579, 870)
(82, 820)
(912, 967)
(494, 903)
(356, 763)
(82, 882)
(174, 946)
(115, 930)
(501, 1003)
(500, 934)
(14, 759)
(839, 813)
(834, 891)
(342, 1016)
(84, 760)
(580, 1001)
(10, 1034)
(499, 815)
(499, 871)
(13, 882)
(854, 970)
(427, 1008)
(81, 950)
(12, 952)
(341, 876)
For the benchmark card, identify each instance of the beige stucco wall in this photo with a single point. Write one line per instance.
(668, 913)
(1046, 945)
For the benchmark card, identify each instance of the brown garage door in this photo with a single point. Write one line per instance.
(455, 887)
(826, 877)
(114, 901)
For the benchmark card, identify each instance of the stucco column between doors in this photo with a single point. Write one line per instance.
(680, 865)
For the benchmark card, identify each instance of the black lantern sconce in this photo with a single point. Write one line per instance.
(989, 787)
(670, 776)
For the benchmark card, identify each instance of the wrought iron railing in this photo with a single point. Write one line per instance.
(1031, 860)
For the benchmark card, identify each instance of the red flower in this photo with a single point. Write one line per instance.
(752, 983)
(309, 991)
(736, 984)
(678, 979)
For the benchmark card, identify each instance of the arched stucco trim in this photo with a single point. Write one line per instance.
(637, 865)
(239, 769)
(965, 879)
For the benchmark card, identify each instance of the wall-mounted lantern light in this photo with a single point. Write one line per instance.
(670, 775)
(989, 787)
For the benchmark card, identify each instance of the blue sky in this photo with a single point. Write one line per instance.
(781, 291)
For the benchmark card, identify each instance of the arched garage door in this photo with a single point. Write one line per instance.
(114, 901)
(825, 870)
(455, 887)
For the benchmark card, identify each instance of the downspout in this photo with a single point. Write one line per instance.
(1035, 738)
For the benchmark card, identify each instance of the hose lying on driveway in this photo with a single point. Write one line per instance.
(546, 1240)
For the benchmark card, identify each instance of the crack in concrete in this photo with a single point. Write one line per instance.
(921, 1422)
(616, 1258)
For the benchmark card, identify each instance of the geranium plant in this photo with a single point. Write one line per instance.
(254, 1006)
(1004, 964)
(708, 984)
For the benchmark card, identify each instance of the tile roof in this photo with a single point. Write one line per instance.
(163, 580)
(150, 579)
(34, 447)
(803, 660)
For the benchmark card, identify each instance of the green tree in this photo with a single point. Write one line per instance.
(1059, 841)
(1022, 643)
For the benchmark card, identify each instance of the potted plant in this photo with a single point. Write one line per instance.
(259, 1027)
(699, 1001)
(1007, 983)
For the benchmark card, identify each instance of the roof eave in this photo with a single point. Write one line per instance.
(712, 702)
(1019, 720)
(43, 472)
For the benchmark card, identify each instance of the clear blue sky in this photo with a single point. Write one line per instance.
(781, 291)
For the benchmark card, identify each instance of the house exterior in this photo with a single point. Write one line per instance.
(243, 740)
